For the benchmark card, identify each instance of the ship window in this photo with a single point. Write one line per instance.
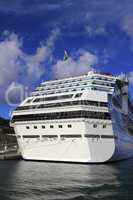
(78, 95)
(104, 125)
(35, 127)
(94, 125)
(43, 126)
(83, 102)
(51, 126)
(60, 126)
(31, 136)
(38, 99)
(53, 98)
(49, 136)
(108, 136)
(71, 136)
(69, 126)
(27, 127)
(92, 136)
(62, 115)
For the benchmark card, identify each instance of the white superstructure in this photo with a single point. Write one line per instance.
(67, 120)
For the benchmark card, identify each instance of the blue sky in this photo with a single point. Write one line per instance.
(35, 33)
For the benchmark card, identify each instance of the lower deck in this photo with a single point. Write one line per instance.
(76, 140)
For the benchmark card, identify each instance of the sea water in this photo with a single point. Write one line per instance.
(25, 180)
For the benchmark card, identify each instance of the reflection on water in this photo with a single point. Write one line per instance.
(21, 180)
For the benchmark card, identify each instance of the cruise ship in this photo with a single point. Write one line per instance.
(82, 119)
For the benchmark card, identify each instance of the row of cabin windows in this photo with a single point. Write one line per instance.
(51, 126)
(78, 79)
(99, 88)
(68, 103)
(61, 126)
(59, 90)
(69, 136)
(66, 82)
(50, 98)
(103, 84)
(77, 83)
(95, 125)
(63, 86)
(62, 115)
(53, 98)
(37, 93)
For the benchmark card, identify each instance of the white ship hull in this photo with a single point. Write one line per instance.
(103, 147)
(70, 151)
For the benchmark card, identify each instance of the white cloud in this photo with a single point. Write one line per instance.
(35, 63)
(23, 7)
(72, 67)
(95, 31)
(18, 66)
(127, 24)
(93, 15)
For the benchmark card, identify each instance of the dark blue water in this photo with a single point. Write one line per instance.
(21, 180)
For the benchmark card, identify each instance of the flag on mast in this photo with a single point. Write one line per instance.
(65, 56)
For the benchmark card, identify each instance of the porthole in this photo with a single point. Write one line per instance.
(35, 127)
(94, 125)
(104, 125)
(69, 126)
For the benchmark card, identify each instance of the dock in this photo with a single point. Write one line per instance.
(11, 153)
(10, 156)
(9, 149)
